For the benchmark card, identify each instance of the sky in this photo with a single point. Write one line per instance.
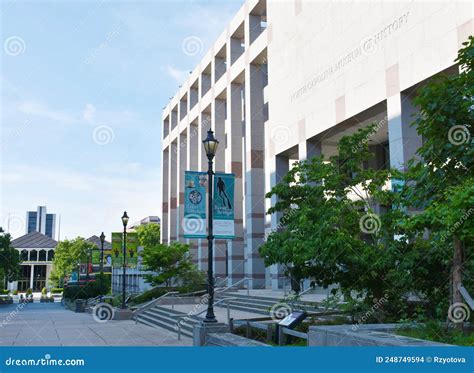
(82, 86)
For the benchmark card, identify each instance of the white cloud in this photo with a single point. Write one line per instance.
(178, 75)
(34, 108)
(87, 201)
(89, 113)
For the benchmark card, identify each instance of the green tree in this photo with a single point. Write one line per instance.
(329, 230)
(67, 257)
(148, 235)
(440, 183)
(9, 259)
(167, 262)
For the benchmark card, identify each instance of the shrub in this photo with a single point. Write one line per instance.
(44, 291)
(5, 292)
(56, 290)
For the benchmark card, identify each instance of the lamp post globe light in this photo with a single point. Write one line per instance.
(210, 146)
(102, 239)
(124, 222)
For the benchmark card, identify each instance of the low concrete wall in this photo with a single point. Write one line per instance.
(218, 334)
(229, 339)
(362, 335)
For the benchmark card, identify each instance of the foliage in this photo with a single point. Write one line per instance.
(329, 229)
(9, 259)
(56, 290)
(168, 263)
(101, 286)
(433, 330)
(68, 255)
(148, 235)
(440, 184)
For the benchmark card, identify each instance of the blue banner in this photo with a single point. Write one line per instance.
(223, 206)
(194, 223)
(237, 359)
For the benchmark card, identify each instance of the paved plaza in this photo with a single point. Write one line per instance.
(49, 324)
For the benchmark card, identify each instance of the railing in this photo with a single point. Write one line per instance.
(249, 324)
(181, 318)
(151, 304)
(282, 331)
(245, 279)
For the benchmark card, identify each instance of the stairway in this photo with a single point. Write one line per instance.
(262, 305)
(167, 318)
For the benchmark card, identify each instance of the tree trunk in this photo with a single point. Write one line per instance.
(457, 276)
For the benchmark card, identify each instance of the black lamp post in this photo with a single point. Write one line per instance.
(89, 254)
(102, 239)
(210, 145)
(125, 222)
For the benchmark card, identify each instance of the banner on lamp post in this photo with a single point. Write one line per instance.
(117, 249)
(223, 206)
(194, 222)
(132, 249)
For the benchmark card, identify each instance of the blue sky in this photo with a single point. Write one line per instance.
(82, 85)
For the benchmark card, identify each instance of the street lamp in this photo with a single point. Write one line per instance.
(89, 254)
(102, 239)
(210, 146)
(125, 222)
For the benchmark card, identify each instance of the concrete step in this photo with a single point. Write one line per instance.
(166, 318)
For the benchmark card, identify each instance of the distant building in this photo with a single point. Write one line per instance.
(135, 281)
(36, 254)
(145, 221)
(41, 221)
(107, 248)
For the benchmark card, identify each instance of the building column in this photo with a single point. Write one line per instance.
(280, 168)
(32, 276)
(173, 168)
(182, 163)
(308, 150)
(254, 174)
(165, 203)
(193, 165)
(218, 108)
(404, 141)
(235, 247)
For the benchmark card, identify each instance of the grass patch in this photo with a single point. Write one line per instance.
(437, 332)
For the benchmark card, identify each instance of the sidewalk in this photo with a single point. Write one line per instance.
(49, 324)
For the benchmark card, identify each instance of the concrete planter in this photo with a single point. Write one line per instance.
(362, 335)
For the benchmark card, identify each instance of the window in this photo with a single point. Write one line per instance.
(24, 255)
(42, 256)
(33, 255)
(50, 255)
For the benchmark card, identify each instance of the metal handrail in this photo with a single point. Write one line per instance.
(151, 303)
(245, 279)
(180, 318)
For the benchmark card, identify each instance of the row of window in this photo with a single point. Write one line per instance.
(37, 255)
